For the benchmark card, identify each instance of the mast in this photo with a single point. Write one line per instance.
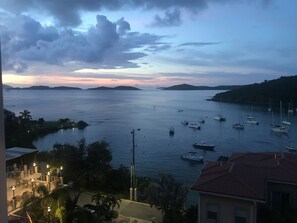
(3, 189)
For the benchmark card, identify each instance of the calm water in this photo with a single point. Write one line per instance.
(113, 114)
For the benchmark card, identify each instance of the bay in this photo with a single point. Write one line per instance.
(112, 116)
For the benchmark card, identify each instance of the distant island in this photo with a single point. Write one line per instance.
(267, 93)
(115, 88)
(41, 87)
(185, 87)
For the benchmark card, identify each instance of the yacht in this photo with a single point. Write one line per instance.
(237, 126)
(185, 122)
(220, 118)
(291, 148)
(251, 120)
(203, 145)
(194, 156)
(194, 126)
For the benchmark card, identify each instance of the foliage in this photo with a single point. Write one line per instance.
(167, 195)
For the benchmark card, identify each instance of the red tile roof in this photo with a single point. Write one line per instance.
(245, 174)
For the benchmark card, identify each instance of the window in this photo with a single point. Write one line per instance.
(241, 215)
(212, 212)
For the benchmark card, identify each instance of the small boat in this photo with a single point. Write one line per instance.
(203, 145)
(286, 122)
(194, 156)
(171, 131)
(291, 148)
(220, 118)
(194, 126)
(237, 126)
(185, 122)
(251, 120)
(201, 121)
(279, 129)
(180, 110)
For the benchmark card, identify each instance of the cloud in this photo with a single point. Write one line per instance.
(67, 12)
(171, 18)
(199, 44)
(104, 45)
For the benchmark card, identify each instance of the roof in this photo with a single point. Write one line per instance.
(16, 152)
(245, 174)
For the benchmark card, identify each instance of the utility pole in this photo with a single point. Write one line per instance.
(3, 189)
(133, 183)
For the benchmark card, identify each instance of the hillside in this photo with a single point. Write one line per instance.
(263, 94)
(115, 88)
(185, 87)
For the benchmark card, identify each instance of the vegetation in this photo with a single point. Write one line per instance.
(263, 94)
(21, 130)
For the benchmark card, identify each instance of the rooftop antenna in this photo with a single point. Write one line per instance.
(3, 189)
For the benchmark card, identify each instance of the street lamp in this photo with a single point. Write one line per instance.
(133, 188)
(13, 198)
(49, 213)
(32, 182)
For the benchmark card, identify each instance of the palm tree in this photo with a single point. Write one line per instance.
(98, 198)
(25, 115)
(112, 201)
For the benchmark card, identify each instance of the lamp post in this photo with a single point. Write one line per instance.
(61, 177)
(48, 179)
(49, 213)
(33, 190)
(133, 183)
(34, 168)
(13, 198)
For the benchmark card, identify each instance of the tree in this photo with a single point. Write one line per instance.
(169, 196)
(25, 115)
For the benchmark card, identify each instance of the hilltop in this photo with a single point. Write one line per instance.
(114, 88)
(192, 87)
(262, 94)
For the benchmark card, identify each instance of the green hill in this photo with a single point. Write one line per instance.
(268, 92)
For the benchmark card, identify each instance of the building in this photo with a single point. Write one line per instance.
(238, 189)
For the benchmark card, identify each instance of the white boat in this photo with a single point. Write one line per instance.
(251, 120)
(280, 128)
(237, 126)
(286, 122)
(203, 145)
(194, 156)
(185, 122)
(194, 126)
(220, 118)
(291, 148)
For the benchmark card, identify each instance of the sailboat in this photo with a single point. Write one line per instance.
(220, 117)
(251, 120)
(290, 109)
(287, 122)
(280, 128)
(238, 125)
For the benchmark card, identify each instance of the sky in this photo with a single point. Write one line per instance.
(147, 43)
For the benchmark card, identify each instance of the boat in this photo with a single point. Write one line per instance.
(194, 156)
(171, 131)
(220, 118)
(290, 109)
(194, 126)
(291, 148)
(185, 122)
(237, 126)
(203, 145)
(201, 121)
(280, 128)
(251, 120)
(286, 122)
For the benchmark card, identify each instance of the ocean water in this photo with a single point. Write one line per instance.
(112, 116)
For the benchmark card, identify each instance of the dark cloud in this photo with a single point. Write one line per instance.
(106, 44)
(199, 44)
(67, 12)
(171, 18)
